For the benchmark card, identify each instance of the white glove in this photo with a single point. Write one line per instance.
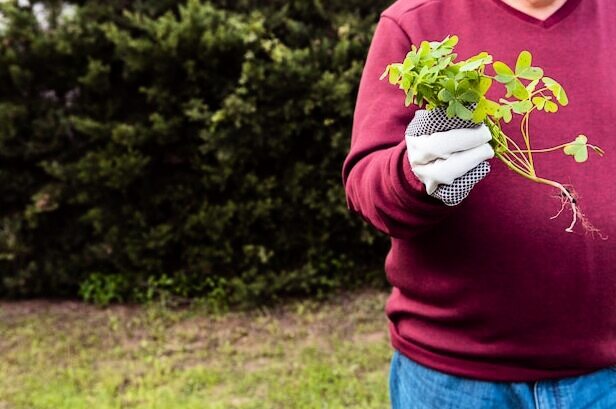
(457, 155)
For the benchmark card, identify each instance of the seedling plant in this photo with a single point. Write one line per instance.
(431, 78)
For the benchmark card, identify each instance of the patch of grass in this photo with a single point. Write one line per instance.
(303, 355)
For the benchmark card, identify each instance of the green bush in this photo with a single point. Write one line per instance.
(193, 147)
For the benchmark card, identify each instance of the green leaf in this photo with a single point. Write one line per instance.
(405, 83)
(505, 74)
(531, 86)
(394, 75)
(469, 96)
(450, 85)
(409, 99)
(523, 67)
(532, 73)
(444, 62)
(414, 56)
(385, 73)
(443, 48)
(484, 107)
(578, 149)
(484, 85)
(517, 89)
(550, 106)
(504, 112)
(524, 61)
(472, 75)
(450, 41)
(562, 98)
(463, 112)
(445, 95)
(507, 115)
(475, 62)
(522, 107)
(407, 64)
(470, 66)
(479, 114)
(539, 102)
(424, 49)
(549, 82)
(491, 106)
(451, 109)
(557, 90)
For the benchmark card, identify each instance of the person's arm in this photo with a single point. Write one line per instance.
(377, 176)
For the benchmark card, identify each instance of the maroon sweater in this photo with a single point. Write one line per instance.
(493, 289)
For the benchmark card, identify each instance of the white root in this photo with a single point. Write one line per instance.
(567, 199)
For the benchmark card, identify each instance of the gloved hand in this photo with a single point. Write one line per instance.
(449, 155)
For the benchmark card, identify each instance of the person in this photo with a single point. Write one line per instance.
(493, 304)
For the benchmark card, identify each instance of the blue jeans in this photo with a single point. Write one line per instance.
(414, 386)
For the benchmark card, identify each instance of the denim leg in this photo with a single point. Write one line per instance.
(414, 386)
(596, 390)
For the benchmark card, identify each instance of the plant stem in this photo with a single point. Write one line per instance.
(497, 134)
(525, 134)
(524, 173)
(525, 166)
(510, 155)
(547, 149)
(569, 199)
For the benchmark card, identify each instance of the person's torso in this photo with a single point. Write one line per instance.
(508, 279)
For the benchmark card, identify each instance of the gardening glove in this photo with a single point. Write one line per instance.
(449, 155)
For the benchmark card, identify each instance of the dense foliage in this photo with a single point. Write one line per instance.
(188, 148)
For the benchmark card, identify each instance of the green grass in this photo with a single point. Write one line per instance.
(301, 355)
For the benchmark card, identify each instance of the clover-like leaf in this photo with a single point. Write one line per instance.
(462, 111)
(507, 115)
(450, 41)
(531, 86)
(484, 85)
(484, 108)
(445, 95)
(517, 89)
(385, 73)
(532, 73)
(409, 98)
(424, 49)
(550, 106)
(451, 109)
(445, 61)
(394, 73)
(524, 61)
(578, 149)
(475, 62)
(539, 102)
(504, 112)
(469, 96)
(504, 73)
(522, 107)
(471, 75)
(557, 90)
(523, 67)
(406, 82)
(408, 64)
(442, 48)
(450, 85)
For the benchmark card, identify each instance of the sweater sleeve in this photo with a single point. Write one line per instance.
(377, 176)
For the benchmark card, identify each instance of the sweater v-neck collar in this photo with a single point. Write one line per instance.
(552, 20)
